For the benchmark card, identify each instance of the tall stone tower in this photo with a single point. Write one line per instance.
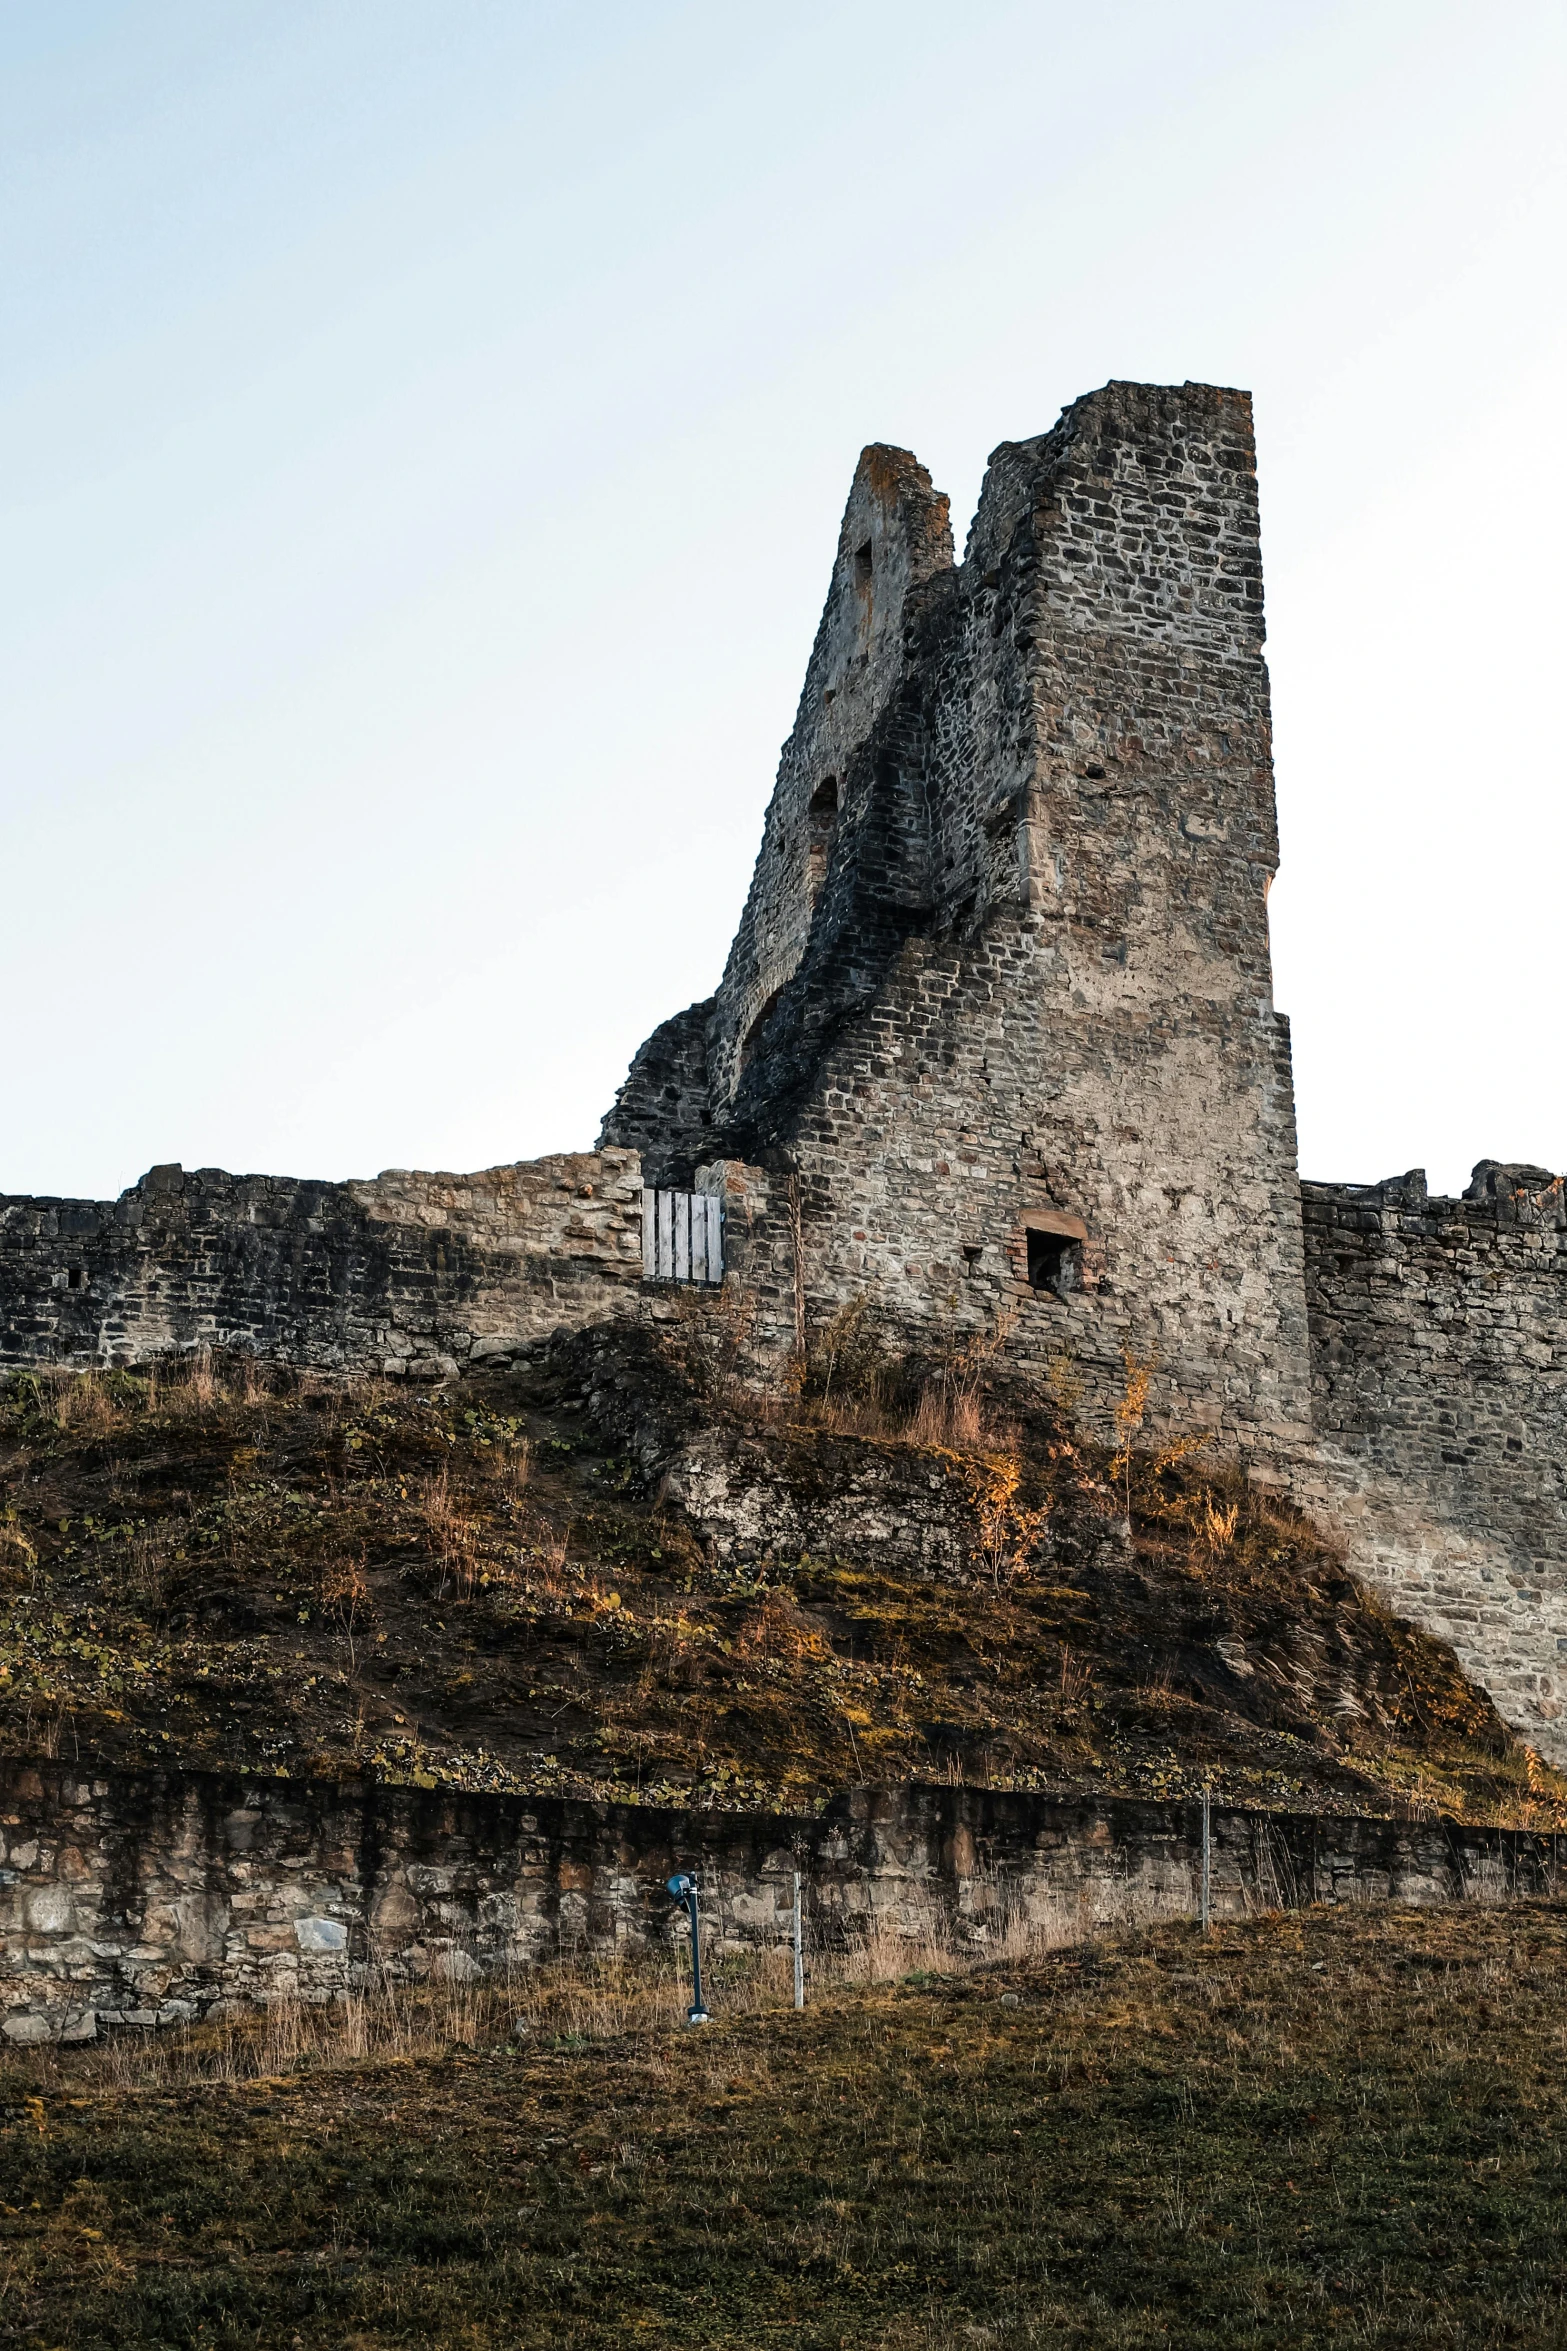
(1001, 995)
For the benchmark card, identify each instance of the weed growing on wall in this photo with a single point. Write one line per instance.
(1130, 1411)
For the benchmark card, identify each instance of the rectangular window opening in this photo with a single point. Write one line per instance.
(1055, 1262)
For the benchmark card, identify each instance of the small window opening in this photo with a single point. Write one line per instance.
(1054, 1262)
(76, 1279)
(862, 565)
(973, 1251)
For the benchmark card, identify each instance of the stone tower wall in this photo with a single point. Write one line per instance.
(895, 536)
(1033, 982)
(824, 866)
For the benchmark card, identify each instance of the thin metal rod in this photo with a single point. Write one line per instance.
(799, 1946)
(1207, 1861)
(698, 2005)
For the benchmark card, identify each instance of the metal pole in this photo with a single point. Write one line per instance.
(1207, 1861)
(698, 2013)
(683, 1890)
(799, 1947)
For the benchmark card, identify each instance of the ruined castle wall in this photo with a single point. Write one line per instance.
(937, 1139)
(1057, 1001)
(1012, 972)
(895, 535)
(664, 1110)
(146, 1898)
(1439, 1362)
(422, 1273)
(823, 869)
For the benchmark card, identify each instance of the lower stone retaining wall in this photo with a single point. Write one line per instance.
(145, 1898)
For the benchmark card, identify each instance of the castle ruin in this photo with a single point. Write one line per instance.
(995, 1046)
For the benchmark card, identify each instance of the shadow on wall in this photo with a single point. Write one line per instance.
(191, 1889)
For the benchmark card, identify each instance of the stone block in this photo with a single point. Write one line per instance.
(51, 1911)
(321, 1934)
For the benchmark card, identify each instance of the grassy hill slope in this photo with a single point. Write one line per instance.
(481, 1586)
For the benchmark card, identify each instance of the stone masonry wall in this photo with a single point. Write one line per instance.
(821, 824)
(146, 1898)
(1439, 1356)
(407, 1273)
(1030, 981)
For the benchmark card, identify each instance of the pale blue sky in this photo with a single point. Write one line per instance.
(426, 430)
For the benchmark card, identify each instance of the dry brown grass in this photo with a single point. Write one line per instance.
(18, 1553)
(957, 1422)
(190, 1387)
(382, 2023)
(937, 1415)
(1077, 1678)
(854, 1382)
(1335, 2127)
(82, 1403)
(516, 1470)
(454, 1531)
(1219, 1520)
(148, 1561)
(387, 2020)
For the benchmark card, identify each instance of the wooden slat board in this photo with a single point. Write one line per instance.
(682, 1237)
(707, 1254)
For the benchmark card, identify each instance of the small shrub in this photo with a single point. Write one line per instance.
(344, 1593)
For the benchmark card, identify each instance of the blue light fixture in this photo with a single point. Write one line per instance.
(682, 1889)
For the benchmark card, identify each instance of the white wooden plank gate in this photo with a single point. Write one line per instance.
(682, 1236)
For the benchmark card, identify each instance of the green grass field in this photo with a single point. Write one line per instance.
(1334, 2127)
